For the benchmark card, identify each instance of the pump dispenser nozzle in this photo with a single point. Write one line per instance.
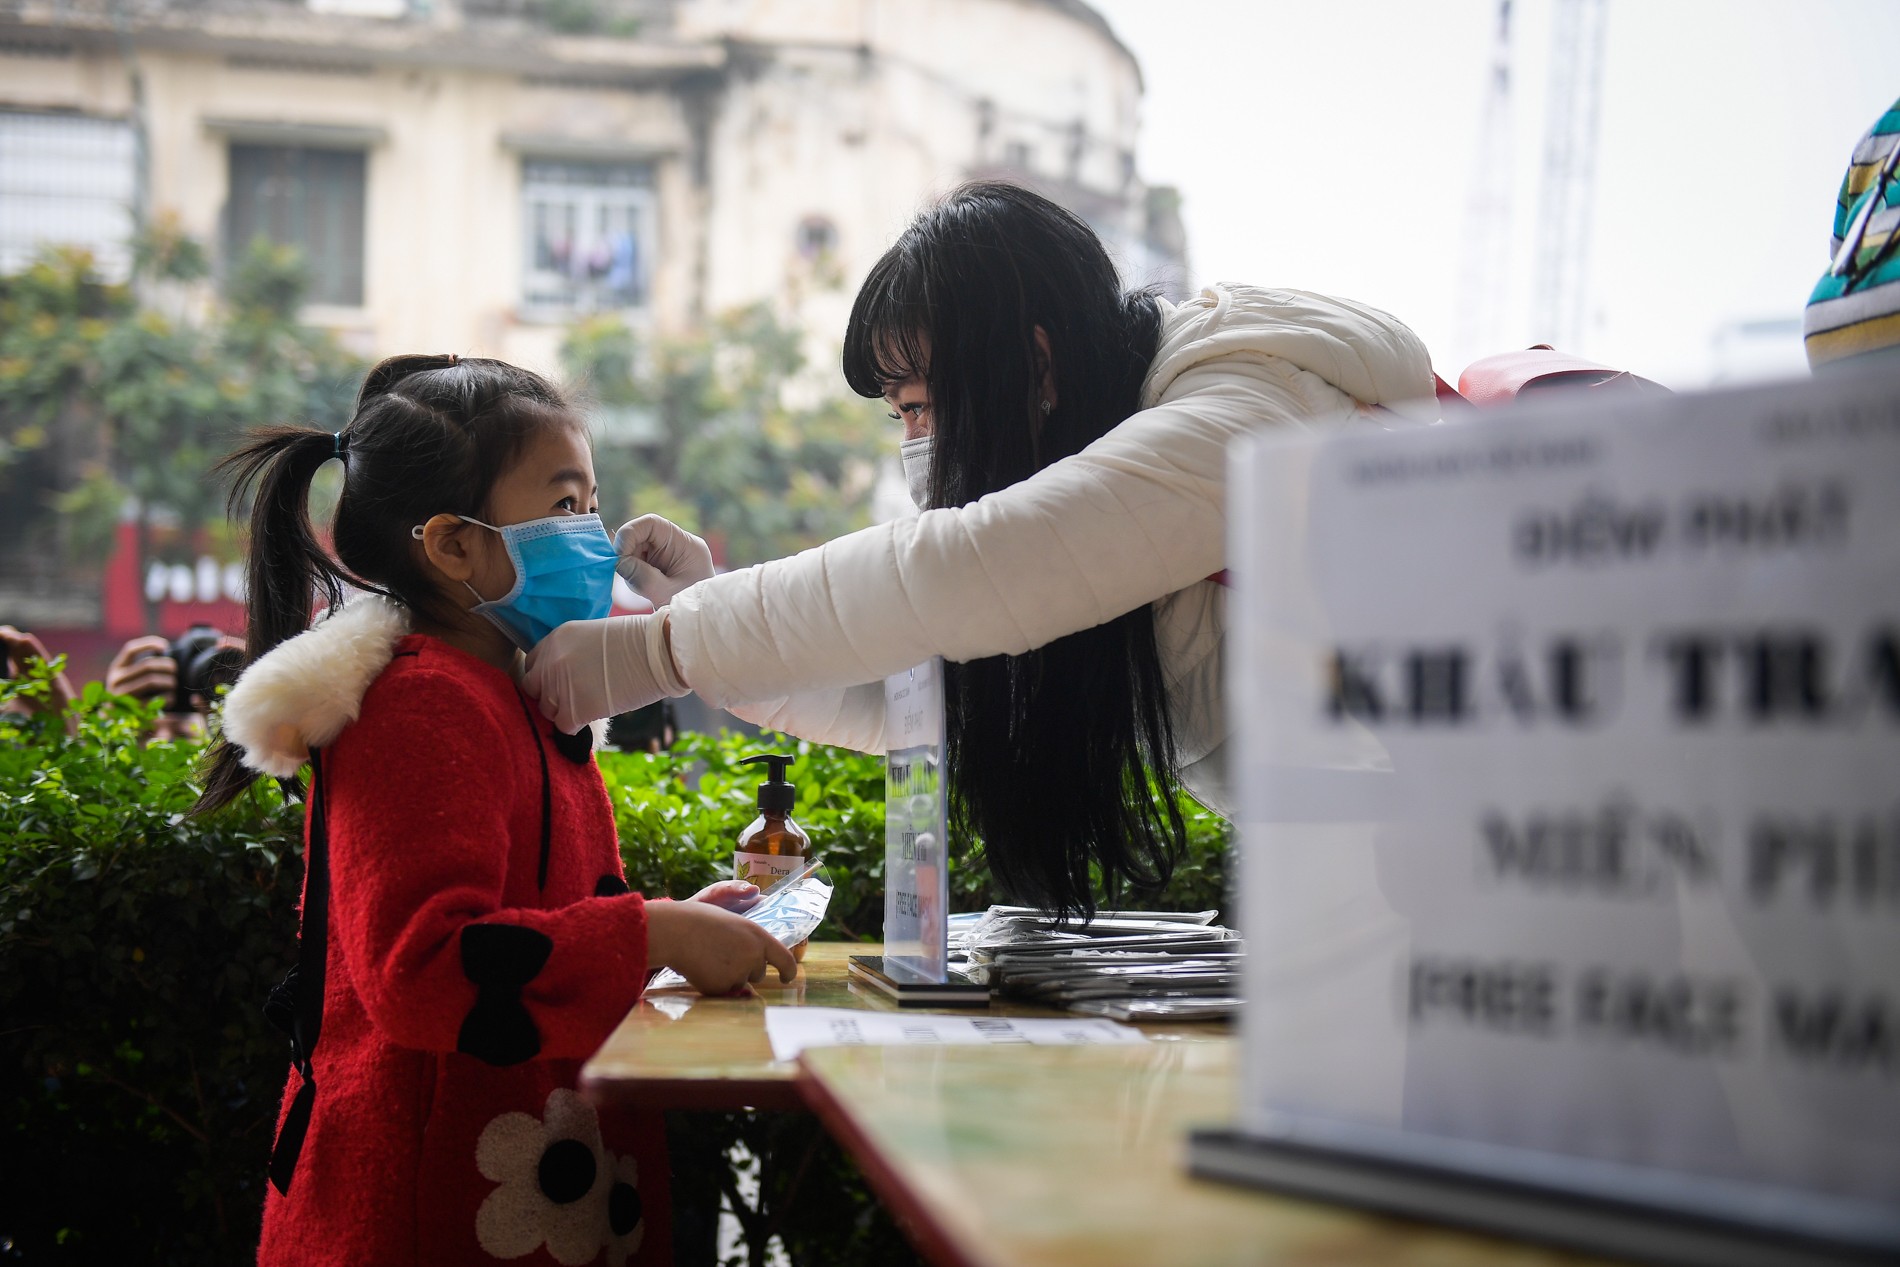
(775, 794)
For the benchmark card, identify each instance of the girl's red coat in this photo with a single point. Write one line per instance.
(418, 1150)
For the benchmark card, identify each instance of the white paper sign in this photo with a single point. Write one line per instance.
(793, 1029)
(916, 880)
(1570, 770)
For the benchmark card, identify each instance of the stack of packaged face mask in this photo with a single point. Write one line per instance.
(1124, 965)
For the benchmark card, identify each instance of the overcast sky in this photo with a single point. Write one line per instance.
(1329, 145)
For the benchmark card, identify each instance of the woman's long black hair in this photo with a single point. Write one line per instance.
(1063, 757)
(429, 435)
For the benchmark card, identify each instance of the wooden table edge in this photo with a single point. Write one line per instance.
(725, 1095)
(931, 1238)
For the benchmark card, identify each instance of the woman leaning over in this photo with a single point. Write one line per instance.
(1066, 444)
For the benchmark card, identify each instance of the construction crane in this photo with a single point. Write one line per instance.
(1560, 272)
(1561, 269)
(1487, 230)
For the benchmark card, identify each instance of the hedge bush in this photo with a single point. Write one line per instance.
(139, 1082)
(680, 811)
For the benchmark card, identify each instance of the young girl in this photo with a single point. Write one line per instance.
(468, 935)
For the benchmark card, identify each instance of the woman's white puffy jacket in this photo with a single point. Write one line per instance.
(1137, 517)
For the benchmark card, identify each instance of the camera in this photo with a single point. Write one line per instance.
(203, 666)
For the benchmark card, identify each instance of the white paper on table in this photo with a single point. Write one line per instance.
(793, 1029)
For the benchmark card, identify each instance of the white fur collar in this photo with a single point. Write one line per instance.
(302, 693)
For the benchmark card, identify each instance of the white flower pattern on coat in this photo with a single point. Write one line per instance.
(557, 1186)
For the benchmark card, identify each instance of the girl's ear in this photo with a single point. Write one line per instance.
(446, 547)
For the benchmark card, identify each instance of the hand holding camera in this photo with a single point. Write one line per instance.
(186, 671)
(16, 648)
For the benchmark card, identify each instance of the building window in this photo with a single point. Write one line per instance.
(308, 198)
(591, 235)
(66, 179)
(816, 238)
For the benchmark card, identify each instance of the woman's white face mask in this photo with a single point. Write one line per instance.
(915, 455)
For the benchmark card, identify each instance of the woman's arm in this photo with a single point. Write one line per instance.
(16, 648)
(849, 718)
(1137, 515)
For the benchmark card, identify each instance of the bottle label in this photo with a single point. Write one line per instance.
(763, 868)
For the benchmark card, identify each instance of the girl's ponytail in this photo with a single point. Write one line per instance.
(287, 566)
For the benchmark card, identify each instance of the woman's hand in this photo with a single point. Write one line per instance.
(716, 951)
(589, 669)
(659, 558)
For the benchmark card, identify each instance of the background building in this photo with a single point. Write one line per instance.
(489, 176)
(470, 175)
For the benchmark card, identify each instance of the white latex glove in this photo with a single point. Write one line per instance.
(659, 558)
(589, 669)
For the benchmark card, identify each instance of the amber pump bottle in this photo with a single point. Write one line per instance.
(773, 845)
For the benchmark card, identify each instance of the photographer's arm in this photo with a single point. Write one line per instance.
(19, 648)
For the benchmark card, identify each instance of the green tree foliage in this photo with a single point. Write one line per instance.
(134, 390)
(709, 430)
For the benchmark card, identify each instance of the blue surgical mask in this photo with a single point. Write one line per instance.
(564, 570)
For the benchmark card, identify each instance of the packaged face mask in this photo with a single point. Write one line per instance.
(791, 912)
(564, 570)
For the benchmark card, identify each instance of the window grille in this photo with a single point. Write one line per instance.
(591, 235)
(66, 179)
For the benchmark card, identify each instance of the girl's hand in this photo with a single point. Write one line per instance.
(730, 895)
(716, 951)
(740, 896)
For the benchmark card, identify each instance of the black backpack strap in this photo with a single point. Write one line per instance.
(547, 792)
(297, 1004)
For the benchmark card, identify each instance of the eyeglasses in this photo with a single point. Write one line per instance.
(1846, 260)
